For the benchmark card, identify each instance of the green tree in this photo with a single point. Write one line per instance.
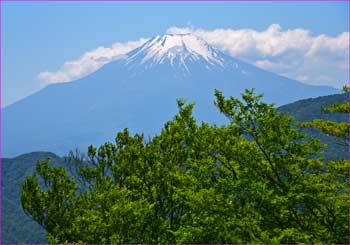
(254, 180)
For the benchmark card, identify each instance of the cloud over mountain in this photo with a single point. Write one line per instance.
(89, 62)
(295, 53)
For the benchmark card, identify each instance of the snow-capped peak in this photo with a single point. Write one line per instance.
(181, 47)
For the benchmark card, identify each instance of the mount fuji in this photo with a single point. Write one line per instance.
(139, 91)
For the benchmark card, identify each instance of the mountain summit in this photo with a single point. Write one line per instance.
(176, 50)
(139, 91)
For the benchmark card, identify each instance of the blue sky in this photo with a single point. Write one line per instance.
(39, 36)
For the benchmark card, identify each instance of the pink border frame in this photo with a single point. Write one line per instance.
(1, 133)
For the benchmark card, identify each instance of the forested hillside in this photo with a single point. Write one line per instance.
(18, 227)
(309, 109)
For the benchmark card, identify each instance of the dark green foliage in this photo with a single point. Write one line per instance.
(311, 109)
(341, 130)
(255, 180)
(16, 226)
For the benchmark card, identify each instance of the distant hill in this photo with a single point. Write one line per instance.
(18, 228)
(309, 109)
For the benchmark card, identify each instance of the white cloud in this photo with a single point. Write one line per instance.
(89, 62)
(295, 53)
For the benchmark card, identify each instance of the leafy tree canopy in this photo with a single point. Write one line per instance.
(254, 180)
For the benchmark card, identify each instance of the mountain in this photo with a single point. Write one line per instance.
(139, 91)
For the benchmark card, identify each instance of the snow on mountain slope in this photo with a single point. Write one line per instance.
(178, 50)
(139, 92)
(182, 46)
